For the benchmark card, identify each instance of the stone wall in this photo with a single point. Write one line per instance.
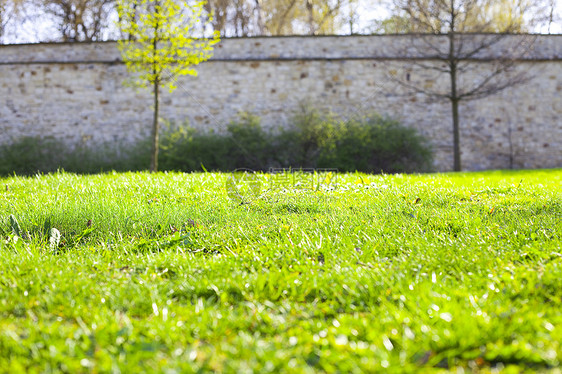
(75, 92)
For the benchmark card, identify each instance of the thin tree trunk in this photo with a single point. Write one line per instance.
(456, 136)
(261, 18)
(510, 142)
(1, 22)
(351, 17)
(310, 9)
(454, 103)
(551, 15)
(130, 37)
(284, 16)
(156, 91)
(155, 129)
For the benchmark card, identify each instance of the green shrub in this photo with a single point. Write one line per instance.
(373, 144)
(244, 145)
(31, 155)
(314, 140)
(27, 156)
(376, 144)
(309, 135)
(250, 145)
(183, 148)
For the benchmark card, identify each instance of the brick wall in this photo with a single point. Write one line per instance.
(75, 92)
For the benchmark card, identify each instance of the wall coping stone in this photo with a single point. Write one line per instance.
(387, 47)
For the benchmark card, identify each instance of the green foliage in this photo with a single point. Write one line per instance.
(161, 44)
(28, 155)
(161, 47)
(14, 225)
(245, 144)
(310, 135)
(184, 148)
(387, 273)
(31, 155)
(250, 145)
(373, 144)
(378, 144)
(395, 24)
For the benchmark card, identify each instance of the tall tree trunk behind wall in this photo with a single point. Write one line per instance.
(454, 102)
(456, 136)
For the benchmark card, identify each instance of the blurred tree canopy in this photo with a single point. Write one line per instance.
(78, 20)
(475, 16)
(94, 20)
(10, 12)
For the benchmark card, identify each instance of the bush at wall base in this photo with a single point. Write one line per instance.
(31, 155)
(372, 144)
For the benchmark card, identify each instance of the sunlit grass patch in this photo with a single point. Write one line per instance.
(383, 273)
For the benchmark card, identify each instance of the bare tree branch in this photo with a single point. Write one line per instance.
(78, 20)
(463, 24)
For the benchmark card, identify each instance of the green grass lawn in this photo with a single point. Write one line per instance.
(164, 273)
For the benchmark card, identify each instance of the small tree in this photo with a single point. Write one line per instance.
(471, 44)
(161, 47)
